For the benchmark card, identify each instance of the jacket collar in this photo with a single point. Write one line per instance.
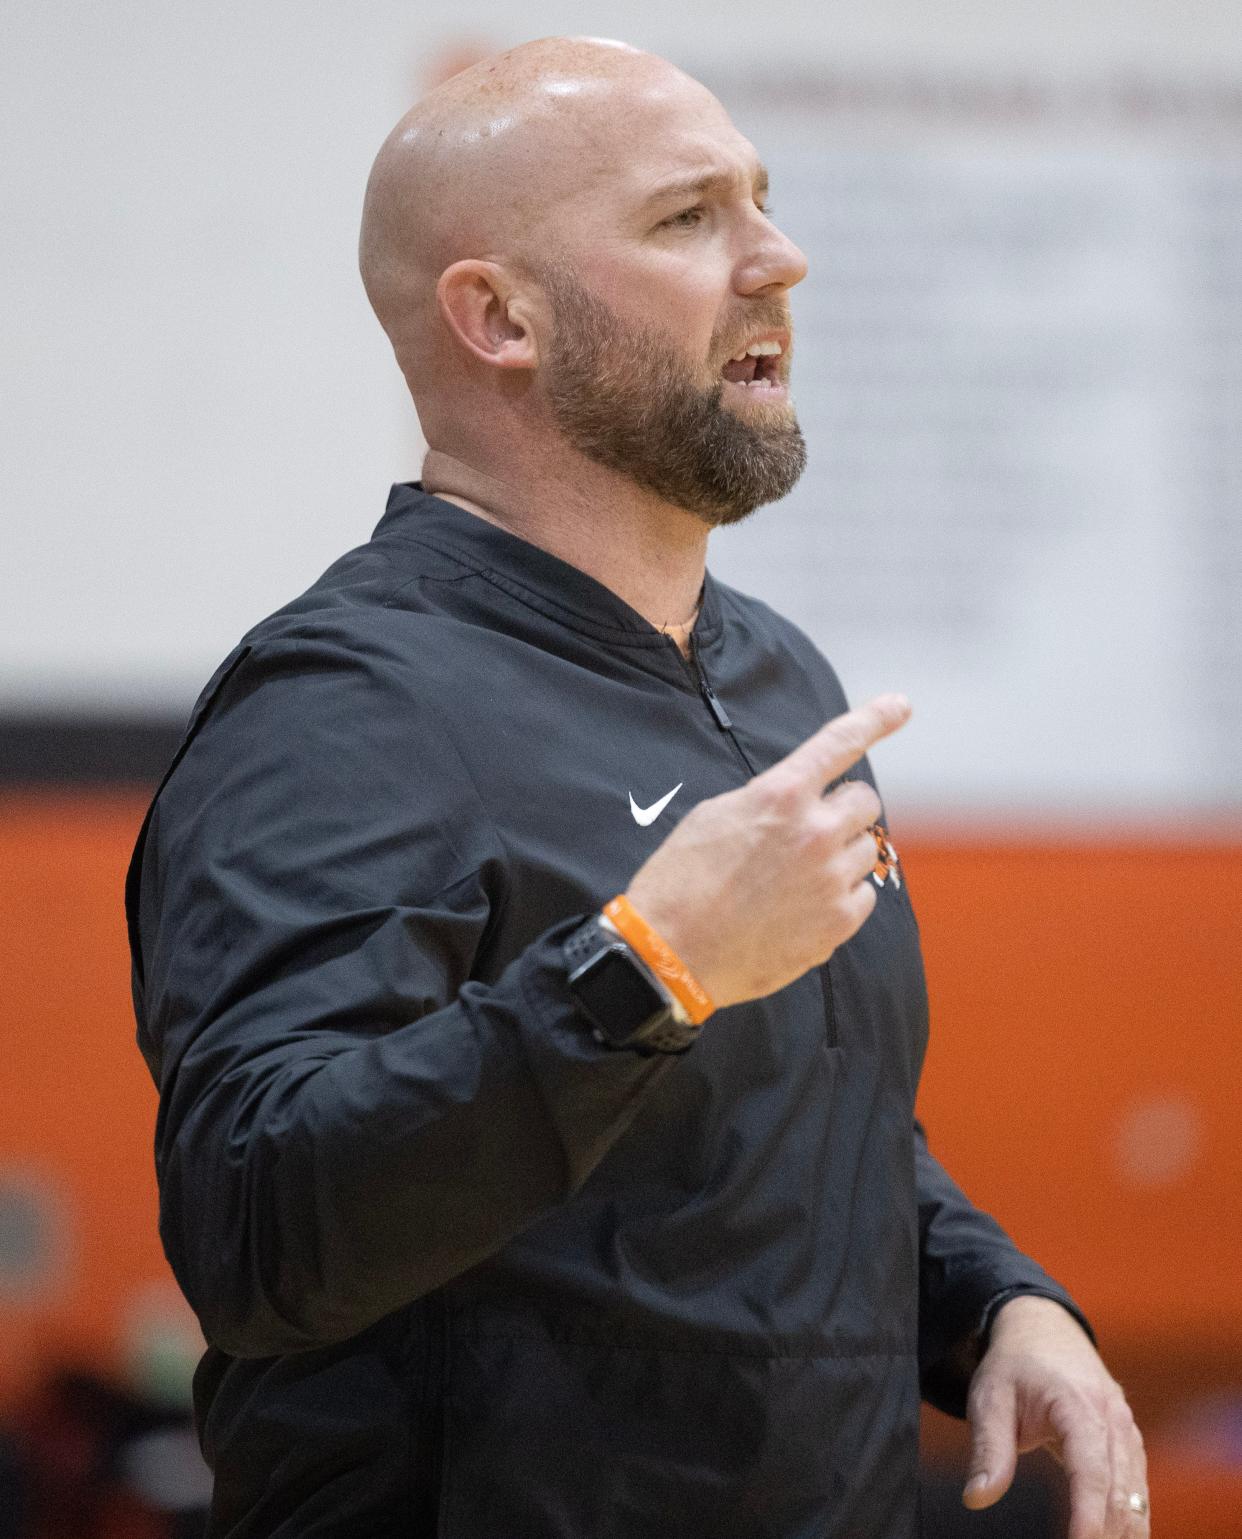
(530, 573)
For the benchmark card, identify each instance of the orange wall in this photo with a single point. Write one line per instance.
(1075, 987)
(1084, 1080)
(75, 1097)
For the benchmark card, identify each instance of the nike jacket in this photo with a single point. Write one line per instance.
(462, 1271)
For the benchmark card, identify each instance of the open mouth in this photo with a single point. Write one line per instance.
(757, 366)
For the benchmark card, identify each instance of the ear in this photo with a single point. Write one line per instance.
(488, 314)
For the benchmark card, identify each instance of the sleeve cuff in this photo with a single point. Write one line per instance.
(1032, 1290)
(965, 1329)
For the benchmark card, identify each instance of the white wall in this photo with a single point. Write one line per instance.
(199, 411)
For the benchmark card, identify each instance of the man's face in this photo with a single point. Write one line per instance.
(672, 269)
(625, 395)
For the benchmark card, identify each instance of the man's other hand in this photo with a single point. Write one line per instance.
(1042, 1384)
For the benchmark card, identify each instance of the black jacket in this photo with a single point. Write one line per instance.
(463, 1272)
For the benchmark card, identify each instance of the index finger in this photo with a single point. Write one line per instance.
(838, 744)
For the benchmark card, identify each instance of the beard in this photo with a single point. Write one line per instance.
(623, 396)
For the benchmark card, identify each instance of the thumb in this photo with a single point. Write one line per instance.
(993, 1445)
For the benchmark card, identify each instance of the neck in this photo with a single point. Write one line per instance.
(649, 553)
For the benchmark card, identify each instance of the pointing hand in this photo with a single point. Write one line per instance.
(756, 886)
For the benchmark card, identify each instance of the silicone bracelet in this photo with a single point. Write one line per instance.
(660, 958)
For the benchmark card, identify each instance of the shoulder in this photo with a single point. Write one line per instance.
(364, 630)
(770, 636)
(327, 715)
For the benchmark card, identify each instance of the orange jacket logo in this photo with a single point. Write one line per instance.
(886, 862)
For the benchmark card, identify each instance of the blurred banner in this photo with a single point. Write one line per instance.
(1018, 362)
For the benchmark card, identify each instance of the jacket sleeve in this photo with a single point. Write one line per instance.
(968, 1265)
(348, 1118)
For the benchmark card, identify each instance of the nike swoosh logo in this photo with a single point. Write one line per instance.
(645, 815)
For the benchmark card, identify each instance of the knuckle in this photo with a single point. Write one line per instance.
(821, 837)
(985, 1391)
(832, 819)
(848, 737)
(777, 791)
(857, 805)
(987, 1426)
(839, 873)
(854, 804)
(988, 1413)
(844, 737)
(1079, 1407)
(868, 799)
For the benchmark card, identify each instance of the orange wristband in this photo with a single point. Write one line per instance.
(660, 958)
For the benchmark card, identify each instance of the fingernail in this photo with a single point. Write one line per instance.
(976, 1483)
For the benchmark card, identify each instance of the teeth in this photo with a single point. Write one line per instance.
(758, 350)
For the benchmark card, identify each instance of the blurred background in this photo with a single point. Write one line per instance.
(1019, 369)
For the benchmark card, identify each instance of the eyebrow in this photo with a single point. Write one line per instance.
(706, 181)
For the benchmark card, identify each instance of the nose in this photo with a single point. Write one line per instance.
(772, 261)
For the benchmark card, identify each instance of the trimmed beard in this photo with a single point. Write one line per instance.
(625, 398)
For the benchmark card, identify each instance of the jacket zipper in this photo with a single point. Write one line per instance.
(712, 701)
(725, 723)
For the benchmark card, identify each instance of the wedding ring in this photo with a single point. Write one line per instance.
(1137, 1502)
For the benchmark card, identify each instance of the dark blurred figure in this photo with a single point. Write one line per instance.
(12, 1490)
(90, 1460)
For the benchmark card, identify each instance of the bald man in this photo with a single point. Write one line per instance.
(519, 946)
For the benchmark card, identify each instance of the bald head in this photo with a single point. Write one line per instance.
(484, 165)
(568, 247)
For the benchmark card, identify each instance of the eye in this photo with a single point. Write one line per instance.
(686, 219)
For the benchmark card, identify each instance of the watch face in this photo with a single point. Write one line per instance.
(616, 996)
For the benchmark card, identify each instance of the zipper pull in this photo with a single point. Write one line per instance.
(717, 710)
(705, 689)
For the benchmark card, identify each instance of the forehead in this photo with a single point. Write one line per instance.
(669, 136)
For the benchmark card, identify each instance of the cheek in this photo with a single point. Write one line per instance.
(696, 321)
(684, 294)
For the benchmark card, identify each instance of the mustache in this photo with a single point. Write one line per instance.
(765, 315)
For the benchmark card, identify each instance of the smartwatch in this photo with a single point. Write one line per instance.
(626, 1004)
